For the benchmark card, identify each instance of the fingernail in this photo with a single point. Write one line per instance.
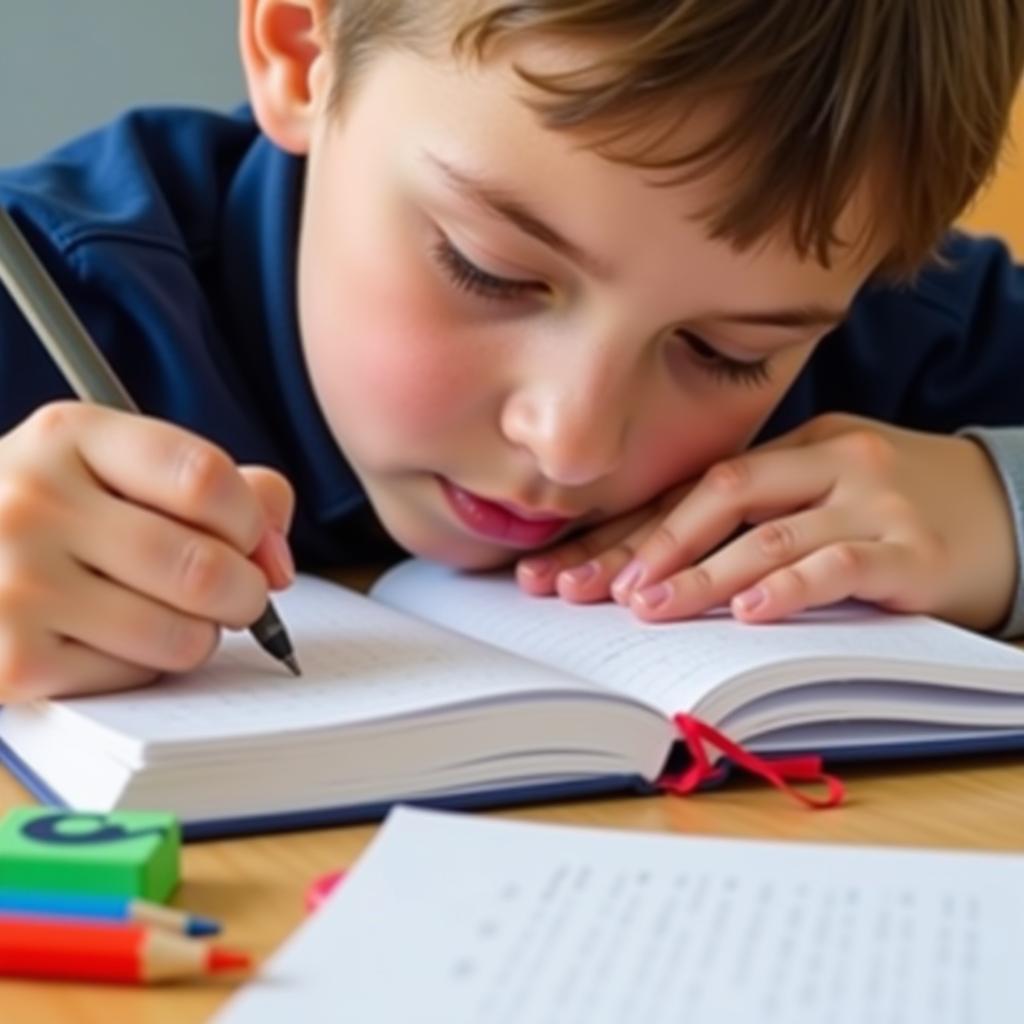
(580, 574)
(627, 579)
(280, 554)
(749, 600)
(654, 597)
(536, 567)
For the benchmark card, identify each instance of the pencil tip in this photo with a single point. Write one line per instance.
(202, 925)
(293, 664)
(219, 959)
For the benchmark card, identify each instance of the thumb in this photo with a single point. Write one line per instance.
(272, 554)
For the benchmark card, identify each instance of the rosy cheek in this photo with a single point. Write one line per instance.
(389, 357)
(415, 376)
(681, 447)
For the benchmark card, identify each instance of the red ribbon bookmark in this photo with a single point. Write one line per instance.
(778, 771)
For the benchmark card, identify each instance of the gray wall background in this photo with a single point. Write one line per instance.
(67, 65)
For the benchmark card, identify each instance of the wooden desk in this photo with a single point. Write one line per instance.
(256, 885)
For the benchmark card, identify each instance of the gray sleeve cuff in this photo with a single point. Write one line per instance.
(1005, 447)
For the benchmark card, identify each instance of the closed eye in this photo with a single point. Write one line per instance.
(466, 275)
(724, 367)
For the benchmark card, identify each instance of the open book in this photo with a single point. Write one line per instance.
(448, 688)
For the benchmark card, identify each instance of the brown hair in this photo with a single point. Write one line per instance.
(820, 94)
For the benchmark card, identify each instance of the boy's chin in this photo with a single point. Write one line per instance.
(462, 553)
(473, 561)
(440, 542)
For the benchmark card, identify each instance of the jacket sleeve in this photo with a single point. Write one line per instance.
(974, 380)
(1005, 447)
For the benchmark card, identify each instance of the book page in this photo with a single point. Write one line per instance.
(673, 666)
(360, 662)
(451, 919)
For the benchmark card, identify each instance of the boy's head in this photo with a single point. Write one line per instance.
(561, 254)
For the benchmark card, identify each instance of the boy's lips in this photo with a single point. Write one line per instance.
(498, 521)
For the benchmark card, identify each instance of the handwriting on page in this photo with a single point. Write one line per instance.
(638, 945)
(513, 923)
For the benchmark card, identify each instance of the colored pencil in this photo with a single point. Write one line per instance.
(37, 947)
(110, 908)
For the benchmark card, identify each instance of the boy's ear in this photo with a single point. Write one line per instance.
(286, 61)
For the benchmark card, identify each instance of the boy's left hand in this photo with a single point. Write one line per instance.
(842, 507)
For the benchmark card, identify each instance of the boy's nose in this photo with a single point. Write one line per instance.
(574, 429)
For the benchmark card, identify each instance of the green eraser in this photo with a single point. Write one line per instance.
(123, 853)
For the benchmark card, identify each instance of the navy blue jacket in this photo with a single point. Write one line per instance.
(173, 234)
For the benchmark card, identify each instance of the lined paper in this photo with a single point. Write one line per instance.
(361, 661)
(672, 666)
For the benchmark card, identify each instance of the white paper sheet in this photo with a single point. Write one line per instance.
(463, 920)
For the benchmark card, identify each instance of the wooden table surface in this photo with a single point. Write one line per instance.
(256, 885)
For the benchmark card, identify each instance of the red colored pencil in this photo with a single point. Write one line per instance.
(106, 951)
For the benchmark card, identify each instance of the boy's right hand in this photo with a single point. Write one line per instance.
(125, 544)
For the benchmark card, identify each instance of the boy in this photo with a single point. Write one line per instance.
(506, 273)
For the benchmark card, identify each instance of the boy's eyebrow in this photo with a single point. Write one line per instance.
(811, 315)
(500, 201)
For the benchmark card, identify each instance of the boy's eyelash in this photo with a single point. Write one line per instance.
(733, 371)
(466, 275)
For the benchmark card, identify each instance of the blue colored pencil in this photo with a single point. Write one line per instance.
(108, 908)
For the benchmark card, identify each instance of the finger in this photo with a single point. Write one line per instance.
(612, 544)
(94, 672)
(168, 562)
(592, 581)
(61, 667)
(741, 563)
(617, 566)
(537, 574)
(273, 553)
(730, 492)
(129, 627)
(873, 571)
(159, 465)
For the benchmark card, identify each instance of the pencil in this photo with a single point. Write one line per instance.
(113, 908)
(89, 374)
(104, 951)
